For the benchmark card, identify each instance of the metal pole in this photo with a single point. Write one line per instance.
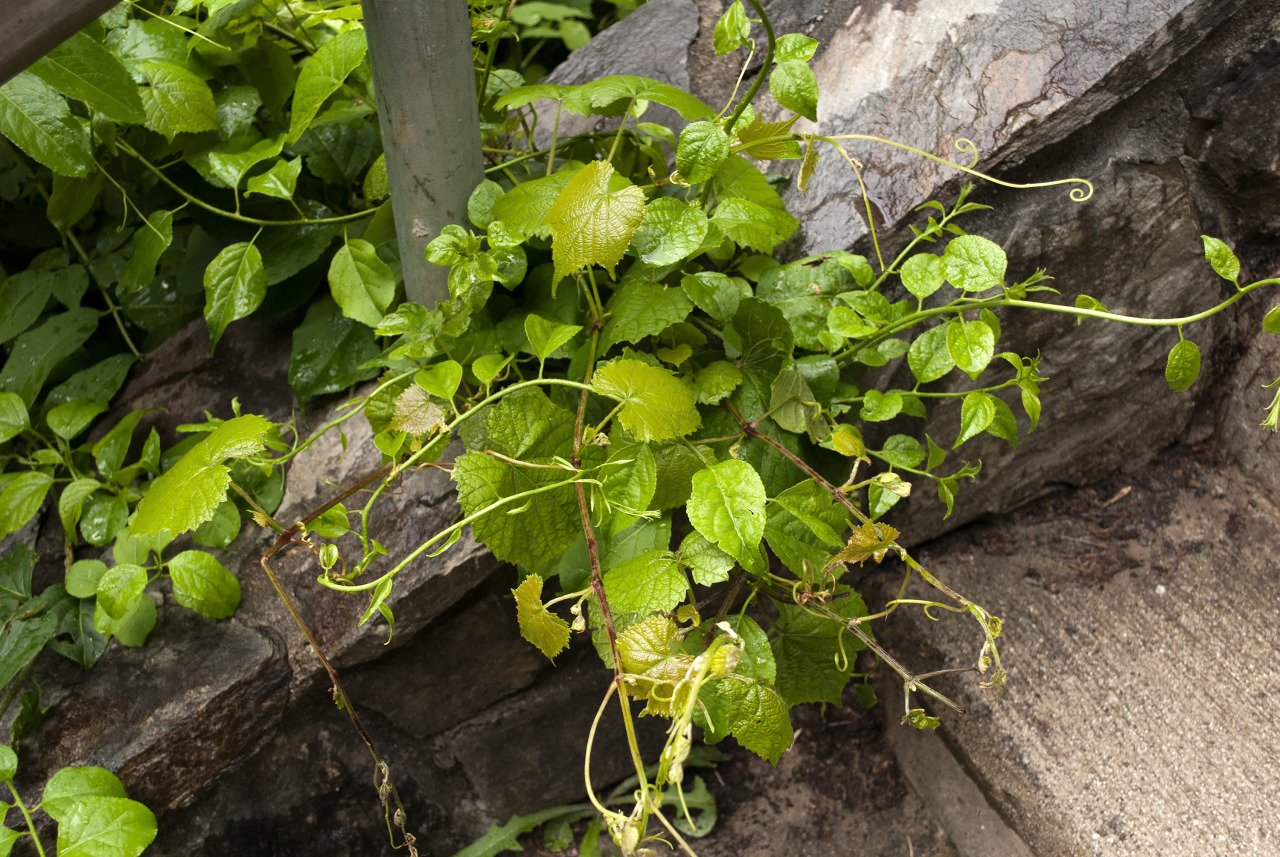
(420, 51)
(29, 29)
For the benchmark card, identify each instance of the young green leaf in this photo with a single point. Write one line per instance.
(149, 243)
(732, 30)
(119, 587)
(106, 827)
(323, 74)
(13, 416)
(974, 264)
(280, 181)
(794, 86)
(1184, 365)
(656, 406)
(221, 530)
(651, 581)
(593, 219)
(878, 407)
(750, 711)
(176, 100)
(1004, 425)
(21, 499)
(1224, 262)
(714, 293)
(702, 150)
(35, 117)
(440, 379)
(971, 345)
(479, 205)
(727, 505)
(1271, 321)
(929, 356)
(83, 69)
(71, 787)
(758, 130)
(204, 584)
(671, 231)
(361, 283)
(547, 631)
(547, 336)
(976, 413)
(234, 285)
(794, 46)
(707, 563)
(187, 494)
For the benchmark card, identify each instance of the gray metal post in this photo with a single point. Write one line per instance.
(420, 51)
(29, 29)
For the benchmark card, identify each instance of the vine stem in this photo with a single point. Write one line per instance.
(27, 815)
(287, 537)
(231, 215)
(839, 496)
(764, 68)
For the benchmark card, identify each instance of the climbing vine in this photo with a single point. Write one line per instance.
(663, 428)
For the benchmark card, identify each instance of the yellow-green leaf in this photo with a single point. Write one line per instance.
(539, 625)
(656, 406)
(593, 219)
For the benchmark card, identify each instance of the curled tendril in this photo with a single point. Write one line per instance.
(1080, 193)
(966, 146)
(842, 657)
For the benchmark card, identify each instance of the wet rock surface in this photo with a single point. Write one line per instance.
(227, 730)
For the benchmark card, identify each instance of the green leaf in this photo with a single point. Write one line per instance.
(971, 345)
(524, 208)
(323, 75)
(610, 96)
(440, 379)
(234, 285)
(106, 827)
(727, 505)
(794, 46)
(708, 564)
(109, 452)
(22, 641)
(641, 309)
(229, 162)
(103, 516)
(671, 231)
(547, 631)
(702, 150)
(976, 413)
(794, 86)
(71, 502)
(807, 651)
(24, 297)
(1271, 321)
(805, 526)
(203, 584)
(714, 293)
(71, 787)
(593, 219)
(732, 30)
(922, 274)
(878, 407)
(83, 576)
(547, 336)
(481, 202)
(132, 628)
(750, 711)
(119, 587)
(630, 485)
(13, 416)
(188, 494)
(37, 352)
(361, 283)
(8, 766)
(791, 402)
(716, 381)
(83, 69)
(974, 264)
(72, 199)
(649, 654)
(651, 581)
(149, 243)
(918, 719)
(1224, 262)
(656, 406)
(328, 350)
(177, 101)
(759, 218)
(1004, 425)
(929, 356)
(35, 117)
(902, 450)
(21, 499)
(1184, 365)
(280, 181)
